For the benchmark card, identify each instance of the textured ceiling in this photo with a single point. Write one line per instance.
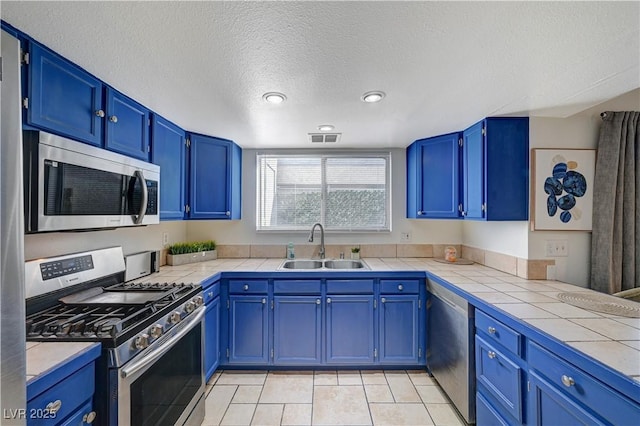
(443, 65)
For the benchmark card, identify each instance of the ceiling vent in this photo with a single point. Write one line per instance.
(324, 137)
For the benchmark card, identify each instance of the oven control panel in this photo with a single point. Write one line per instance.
(60, 268)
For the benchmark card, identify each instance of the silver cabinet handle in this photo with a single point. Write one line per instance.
(383, 300)
(328, 300)
(492, 330)
(100, 113)
(419, 212)
(54, 406)
(317, 301)
(113, 119)
(228, 213)
(568, 381)
(400, 287)
(264, 301)
(491, 354)
(245, 287)
(89, 417)
(210, 294)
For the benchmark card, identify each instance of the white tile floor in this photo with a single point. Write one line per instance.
(367, 397)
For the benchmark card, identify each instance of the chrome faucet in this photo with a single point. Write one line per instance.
(313, 228)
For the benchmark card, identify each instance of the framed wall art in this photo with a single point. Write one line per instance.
(562, 189)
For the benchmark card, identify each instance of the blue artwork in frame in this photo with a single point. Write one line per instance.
(562, 189)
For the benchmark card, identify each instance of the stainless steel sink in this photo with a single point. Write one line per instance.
(343, 264)
(302, 264)
(329, 264)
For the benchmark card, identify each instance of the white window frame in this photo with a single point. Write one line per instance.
(386, 155)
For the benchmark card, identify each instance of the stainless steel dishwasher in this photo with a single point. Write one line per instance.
(450, 349)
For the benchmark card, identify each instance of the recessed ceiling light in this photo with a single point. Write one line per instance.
(274, 97)
(325, 127)
(375, 96)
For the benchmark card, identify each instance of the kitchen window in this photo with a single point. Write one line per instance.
(348, 193)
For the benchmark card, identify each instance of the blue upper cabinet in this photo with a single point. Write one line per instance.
(63, 98)
(214, 178)
(68, 101)
(168, 150)
(127, 130)
(495, 171)
(433, 183)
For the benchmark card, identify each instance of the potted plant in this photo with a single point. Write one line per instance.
(355, 253)
(198, 251)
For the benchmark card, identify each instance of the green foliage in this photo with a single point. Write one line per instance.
(194, 247)
(355, 249)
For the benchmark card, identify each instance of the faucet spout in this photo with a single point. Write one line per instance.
(313, 229)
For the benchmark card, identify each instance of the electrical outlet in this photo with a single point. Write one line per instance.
(551, 272)
(405, 236)
(557, 248)
(165, 239)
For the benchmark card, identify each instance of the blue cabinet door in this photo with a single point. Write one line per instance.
(350, 329)
(433, 177)
(297, 330)
(248, 330)
(496, 169)
(212, 338)
(214, 178)
(473, 172)
(127, 128)
(168, 150)
(548, 406)
(63, 98)
(399, 339)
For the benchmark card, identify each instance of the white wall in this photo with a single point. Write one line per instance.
(132, 240)
(580, 131)
(244, 231)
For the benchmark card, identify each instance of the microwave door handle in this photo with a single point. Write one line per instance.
(145, 198)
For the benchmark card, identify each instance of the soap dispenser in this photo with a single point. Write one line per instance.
(290, 252)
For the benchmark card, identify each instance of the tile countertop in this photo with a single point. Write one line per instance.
(612, 340)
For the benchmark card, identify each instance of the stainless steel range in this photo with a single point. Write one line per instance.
(151, 370)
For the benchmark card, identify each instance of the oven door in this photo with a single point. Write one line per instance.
(164, 384)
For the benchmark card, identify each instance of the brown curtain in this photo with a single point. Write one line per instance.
(615, 246)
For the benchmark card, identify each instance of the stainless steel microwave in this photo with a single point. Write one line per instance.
(73, 186)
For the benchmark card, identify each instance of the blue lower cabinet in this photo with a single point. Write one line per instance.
(297, 329)
(486, 415)
(248, 330)
(212, 338)
(82, 417)
(70, 399)
(499, 376)
(399, 326)
(549, 406)
(350, 329)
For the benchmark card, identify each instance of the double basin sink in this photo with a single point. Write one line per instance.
(323, 264)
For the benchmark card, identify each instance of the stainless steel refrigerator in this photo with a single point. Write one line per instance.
(12, 302)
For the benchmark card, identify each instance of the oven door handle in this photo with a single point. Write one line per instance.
(163, 348)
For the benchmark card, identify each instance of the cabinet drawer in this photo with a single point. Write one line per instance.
(498, 332)
(500, 376)
(586, 390)
(349, 286)
(297, 287)
(211, 292)
(71, 392)
(248, 286)
(399, 286)
(486, 415)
